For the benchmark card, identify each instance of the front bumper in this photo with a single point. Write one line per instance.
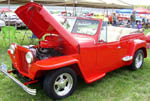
(25, 88)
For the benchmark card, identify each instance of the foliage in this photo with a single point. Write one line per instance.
(22, 37)
(147, 31)
(143, 6)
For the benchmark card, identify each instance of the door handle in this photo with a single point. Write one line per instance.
(118, 47)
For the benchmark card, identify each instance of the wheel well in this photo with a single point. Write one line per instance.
(144, 50)
(75, 67)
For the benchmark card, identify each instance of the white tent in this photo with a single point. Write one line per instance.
(101, 3)
(78, 3)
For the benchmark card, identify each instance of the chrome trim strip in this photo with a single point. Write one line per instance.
(25, 88)
(127, 58)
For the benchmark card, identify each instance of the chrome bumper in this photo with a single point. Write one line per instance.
(25, 88)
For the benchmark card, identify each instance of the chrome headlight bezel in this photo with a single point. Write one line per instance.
(29, 57)
(12, 48)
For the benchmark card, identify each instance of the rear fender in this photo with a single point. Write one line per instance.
(148, 38)
(136, 45)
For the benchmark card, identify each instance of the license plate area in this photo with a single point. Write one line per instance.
(3, 67)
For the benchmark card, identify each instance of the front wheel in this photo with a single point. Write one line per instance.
(60, 83)
(137, 60)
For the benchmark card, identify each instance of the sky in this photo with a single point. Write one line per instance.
(138, 2)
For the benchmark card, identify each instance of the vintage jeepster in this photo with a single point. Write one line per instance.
(91, 49)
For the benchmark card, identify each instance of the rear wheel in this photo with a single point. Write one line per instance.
(60, 83)
(137, 60)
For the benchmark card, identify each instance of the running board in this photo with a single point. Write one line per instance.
(127, 58)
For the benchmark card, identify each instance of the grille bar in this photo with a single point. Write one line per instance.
(22, 64)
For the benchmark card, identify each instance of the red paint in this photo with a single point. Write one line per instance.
(92, 58)
(30, 82)
(123, 18)
(41, 22)
(110, 19)
(10, 71)
(141, 10)
(148, 38)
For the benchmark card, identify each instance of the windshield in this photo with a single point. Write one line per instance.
(69, 23)
(83, 26)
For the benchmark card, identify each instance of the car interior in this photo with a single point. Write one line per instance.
(112, 33)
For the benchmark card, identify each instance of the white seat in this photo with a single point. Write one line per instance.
(113, 34)
(127, 31)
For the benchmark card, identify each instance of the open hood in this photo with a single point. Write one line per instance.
(41, 22)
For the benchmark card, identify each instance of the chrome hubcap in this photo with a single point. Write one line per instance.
(139, 60)
(63, 84)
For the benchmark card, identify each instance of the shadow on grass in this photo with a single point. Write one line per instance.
(112, 74)
(81, 86)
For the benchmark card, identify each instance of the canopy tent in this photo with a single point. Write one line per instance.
(127, 11)
(25, 1)
(2, 0)
(137, 10)
(141, 10)
(78, 3)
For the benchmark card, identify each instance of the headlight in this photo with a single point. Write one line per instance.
(29, 57)
(12, 49)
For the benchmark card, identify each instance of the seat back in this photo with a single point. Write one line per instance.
(127, 31)
(113, 34)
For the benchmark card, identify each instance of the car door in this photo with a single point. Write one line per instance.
(109, 54)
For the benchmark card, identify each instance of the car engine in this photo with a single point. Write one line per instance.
(50, 47)
(43, 53)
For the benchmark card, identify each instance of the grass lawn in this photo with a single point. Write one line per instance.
(119, 85)
(146, 31)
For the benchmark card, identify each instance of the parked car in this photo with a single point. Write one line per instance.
(89, 51)
(2, 24)
(12, 19)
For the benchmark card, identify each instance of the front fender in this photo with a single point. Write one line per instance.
(52, 64)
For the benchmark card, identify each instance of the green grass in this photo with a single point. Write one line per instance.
(119, 85)
(20, 37)
(146, 31)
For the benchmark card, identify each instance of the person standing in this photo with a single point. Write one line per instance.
(139, 25)
(110, 19)
(114, 18)
(133, 19)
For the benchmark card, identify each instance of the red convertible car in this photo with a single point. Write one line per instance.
(90, 50)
